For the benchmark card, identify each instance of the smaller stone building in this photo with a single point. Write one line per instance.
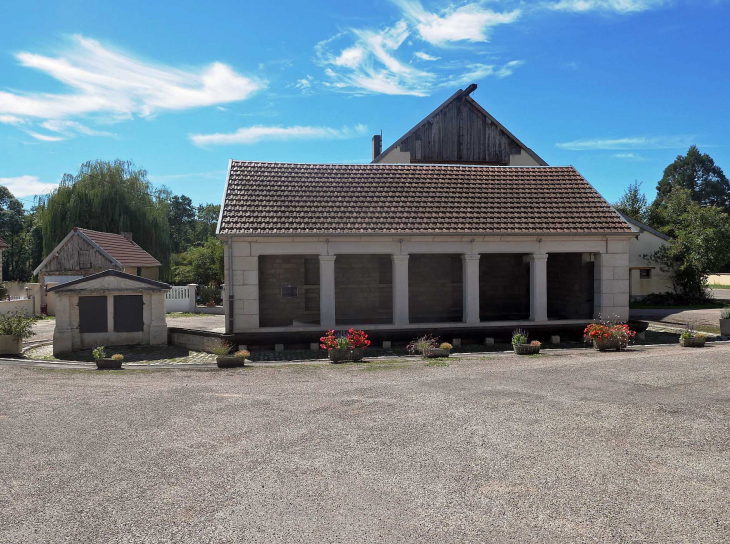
(110, 308)
(84, 252)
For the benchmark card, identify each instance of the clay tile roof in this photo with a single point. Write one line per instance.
(285, 198)
(125, 251)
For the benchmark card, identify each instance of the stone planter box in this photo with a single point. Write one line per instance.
(10, 345)
(436, 353)
(611, 344)
(725, 327)
(108, 364)
(696, 342)
(526, 349)
(229, 361)
(345, 355)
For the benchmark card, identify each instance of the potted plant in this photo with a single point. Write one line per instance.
(225, 359)
(610, 334)
(521, 346)
(423, 345)
(14, 328)
(725, 322)
(443, 350)
(689, 338)
(342, 346)
(106, 363)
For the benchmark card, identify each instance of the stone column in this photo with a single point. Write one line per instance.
(327, 291)
(470, 270)
(611, 282)
(400, 289)
(538, 286)
(192, 296)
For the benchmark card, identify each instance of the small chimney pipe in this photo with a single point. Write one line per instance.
(377, 145)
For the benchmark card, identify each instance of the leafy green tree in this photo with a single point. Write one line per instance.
(700, 243)
(633, 203)
(206, 221)
(200, 264)
(181, 217)
(17, 229)
(110, 197)
(697, 173)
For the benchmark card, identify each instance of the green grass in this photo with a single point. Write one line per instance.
(438, 362)
(719, 286)
(181, 314)
(44, 317)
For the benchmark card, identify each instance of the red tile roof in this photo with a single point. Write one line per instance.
(284, 198)
(125, 251)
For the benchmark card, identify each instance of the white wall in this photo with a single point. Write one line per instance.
(659, 282)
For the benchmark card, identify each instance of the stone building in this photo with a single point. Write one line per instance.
(84, 252)
(400, 248)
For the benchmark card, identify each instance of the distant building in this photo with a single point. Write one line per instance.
(645, 277)
(84, 252)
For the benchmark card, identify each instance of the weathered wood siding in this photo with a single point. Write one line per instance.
(68, 259)
(460, 133)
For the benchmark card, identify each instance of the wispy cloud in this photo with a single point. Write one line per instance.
(471, 22)
(617, 6)
(11, 120)
(479, 71)
(70, 127)
(22, 186)
(259, 133)
(629, 156)
(117, 85)
(640, 142)
(44, 137)
(425, 56)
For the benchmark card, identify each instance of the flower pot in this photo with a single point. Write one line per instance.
(347, 354)
(434, 353)
(108, 364)
(526, 349)
(696, 342)
(725, 327)
(9, 345)
(229, 361)
(608, 344)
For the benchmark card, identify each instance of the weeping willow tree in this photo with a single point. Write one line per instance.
(109, 197)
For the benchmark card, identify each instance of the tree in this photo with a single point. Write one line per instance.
(700, 243)
(181, 217)
(697, 173)
(633, 203)
(206, 221)
(109, 197)
(201, 264)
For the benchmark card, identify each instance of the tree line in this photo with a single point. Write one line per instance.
(692, 206)
(114, 197)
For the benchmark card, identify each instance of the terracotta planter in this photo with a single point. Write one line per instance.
(346, 355)
(696, 342)
(437, 352)
(526, 349)
(108, 364)
(229, 361)
(725, 327)
(609, 344)
(9, 345)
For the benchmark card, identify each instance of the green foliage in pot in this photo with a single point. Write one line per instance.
(117, 357)
(519, 337)
(99, 353)
(725, 314)
(18, 325)
(242, 354)
(224, 349)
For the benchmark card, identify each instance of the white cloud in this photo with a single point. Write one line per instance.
(69, 127)
(471, 22)
(509, 68)
(259, 133)
(45, 137)
(641, 142)
(23, 186)
(11, 120)
(629, 156)
(618, 6)
(113, 84)
(425, 56)
(477, 71)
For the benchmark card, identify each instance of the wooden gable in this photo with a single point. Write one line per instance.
(78, 255)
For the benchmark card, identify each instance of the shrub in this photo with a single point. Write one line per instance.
(610, 329)
(725, 314)
(358, 339)
(99, 353)
(519, 337)
(423, 345)
(242, 354)
(209, 293)
(341, 340)
(446, 345)
(536, 343)
(117, 357)
(18, 325)
(224, 349)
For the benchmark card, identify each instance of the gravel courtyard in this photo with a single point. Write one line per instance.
(576, 447)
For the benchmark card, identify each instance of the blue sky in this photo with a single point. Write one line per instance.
(617, 88)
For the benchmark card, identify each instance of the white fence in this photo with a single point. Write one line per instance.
(181, 298)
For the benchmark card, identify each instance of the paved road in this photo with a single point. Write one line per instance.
(704, 318)
(588, 447)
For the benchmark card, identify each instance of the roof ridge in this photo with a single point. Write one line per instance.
(408, 164)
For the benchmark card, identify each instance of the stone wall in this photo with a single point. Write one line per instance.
(504, 287)
(363, 289)
(570, 286)
(611, 281)
(278, 271)
(435, 288)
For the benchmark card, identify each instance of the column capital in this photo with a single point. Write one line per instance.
(469, 257)
(400, 258)
(535, 257)
(327, 257)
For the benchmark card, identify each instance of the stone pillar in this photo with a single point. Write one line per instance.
(611, 282)
(470, 270)
(192, 296)
(327, 291)
(538, 286)
(62, 334)
(400, 290)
